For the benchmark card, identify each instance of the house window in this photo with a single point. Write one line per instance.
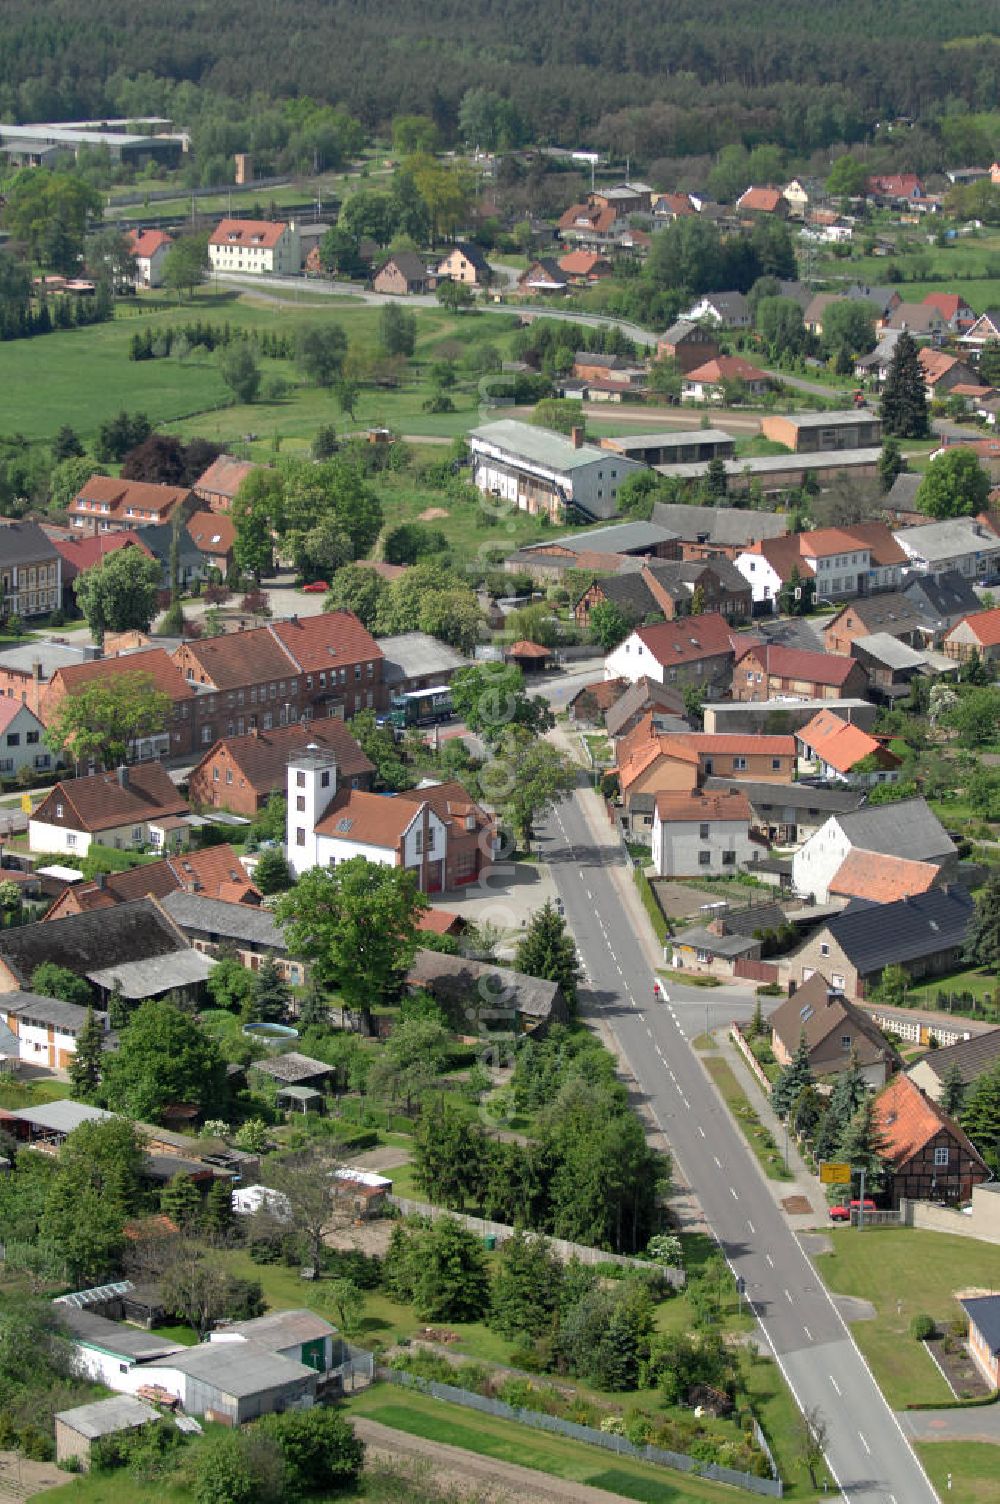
(704, 858)
(824, 949)
(300, 835)
(215, 774)
(206, 735)
(14, 739)
(729, 858)
(703, 956)
(300, 803)
(942, 1154)
(845, 1041)
(59, 811)
(71, 839)
(32, 738)
(300, 780)
(739, 764)
(775, 764)
(837, 980)
(324, 779)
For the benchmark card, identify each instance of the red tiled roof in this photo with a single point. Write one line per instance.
(306, 645)
(257, 233)
(127, 500)
(450, 801)
(439, 922)
(723, 742)
(726, 368)
(100, 802)
(761, 200)
(9, 708)
(371, 819)
(212, 532)
(689, 639)
(840, 743)
(581, 263)
(908, 1121)
(146, 243)
(935, 363)
(895, 184)
(262, 757)
(601, 221)
(526, 649)
(800, 663)
(155, 662)
(984, 626)
(679, 203)
(225, 475)
(214, 872)
(948, 304)
(79, 554)
(675, 808)
(881, 879)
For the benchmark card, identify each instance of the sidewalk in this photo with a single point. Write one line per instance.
(980, 1423)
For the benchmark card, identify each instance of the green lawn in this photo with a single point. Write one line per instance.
(15, 1094)
(982, 985)
(759, 1139)
(508, 1442)
(905, 1272)
(972, 1466)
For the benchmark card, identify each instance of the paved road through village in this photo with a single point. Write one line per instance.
(867, 1452)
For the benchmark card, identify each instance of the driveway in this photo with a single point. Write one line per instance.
(980, 1423)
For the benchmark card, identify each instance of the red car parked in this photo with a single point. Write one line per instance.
(844, 1213)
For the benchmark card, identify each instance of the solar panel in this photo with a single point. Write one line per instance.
(806, 1013)
(343, 826)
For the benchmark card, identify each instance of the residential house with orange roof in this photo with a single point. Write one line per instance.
(217, 486)
(953, 308)
(878, 878)
(755, 200)
(701, 834)
(979, 633)
(907, 828)
(838, 1034)
(127, 809)
(328, 825)
(651, 761)
(213, 535)
(770, 671)
(213, 872)
(255, 246)
(155, 664)
(283, 672)
(710, 382)
(240, 773)
(830, 747)
(591, 225)
(859, 560)
(149, 247)
(942, 372)
(106, 504)
(931, 1157)
(583, 267)
(894, 187)
(691, 650)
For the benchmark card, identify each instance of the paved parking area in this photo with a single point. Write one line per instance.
(505, 897)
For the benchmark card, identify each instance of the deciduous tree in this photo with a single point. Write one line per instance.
(954, 485)
(164, 1056)
(526, 778)
(119, 594)
(101, 721)
(186, 263)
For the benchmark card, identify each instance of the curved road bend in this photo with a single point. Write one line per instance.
(868, 1455)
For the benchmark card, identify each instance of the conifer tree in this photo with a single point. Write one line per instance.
(982, 945)
(547, 951)
(269, 1001)
(796, 1076)
(952, 1090)
(904, 401)
(864, 1147)
(85, 1066)
(981, 1116)
(180, 1201)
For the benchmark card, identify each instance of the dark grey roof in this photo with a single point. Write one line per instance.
(415, 655)
(722, 525)
(678, 330)
(619, 538)
(159, 540)
(797, 797)
(233, 921)
(644, 694)
(893, 612)
(484, 984)
(473, 253)
(755, 917)
(45, 1010)
(908, 828)
(107, 1417)
(151, 976)
(942, 600)
(903, 491)
(409, 263)
(731, 305)
(699, 938)
(24, 543)
(816, 1009)
(890, 934)
(984, 1311)
(972, 1056)
(92, 941)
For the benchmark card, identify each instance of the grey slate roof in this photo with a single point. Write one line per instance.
(416, 655)
(908, 828)
(731, 526)
(893, 612)
(950, 539)
(887, 649)
(82, 942)
(972, 1056)
(890, 934)
(44, 1010)
(619, 538)
(797, 797)
(152, 975)
(231, 921)
(944, 600)
(280, 1329)
(539, 446)
(238, 1369)
(106, 1417)
(642, 695)
(903, 491)
(61, 1116)
(115, 1337)
(409, 265)
(460, 979)
(984, 1310)
(50, 655)
(730, 946)
(24, 543)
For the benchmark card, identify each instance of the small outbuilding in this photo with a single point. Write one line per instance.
(78, 1429)
(983, 1312)
(530, 657)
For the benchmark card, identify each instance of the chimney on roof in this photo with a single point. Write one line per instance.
(718, 928)
(832, 994)
(294, 619)
(101, 880)
(576, 434)
(36, 670)
(123, 778)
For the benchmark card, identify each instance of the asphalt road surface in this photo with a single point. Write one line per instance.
(867, 1453)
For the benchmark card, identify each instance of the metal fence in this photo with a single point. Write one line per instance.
(560, 1246)
(771, 1488)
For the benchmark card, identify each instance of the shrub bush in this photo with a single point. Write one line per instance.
(923, 1327)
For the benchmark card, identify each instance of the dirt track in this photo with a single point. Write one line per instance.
(498, 1482)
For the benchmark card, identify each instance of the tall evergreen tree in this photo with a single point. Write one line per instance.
(981, 1116)
(217, 1214)
(547, 951)
(270, 997)
(793, 1080)
(890, 464)
(85, 1066)
(863, 1146)
(952, 1090)
(525, 1292)
(982, 945)
(180, 1201)
(904, 401)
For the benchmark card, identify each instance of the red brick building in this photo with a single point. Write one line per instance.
(931, 1157)
(241, 772)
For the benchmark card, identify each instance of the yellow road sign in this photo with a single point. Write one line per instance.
(831, 1173)
(26, 804)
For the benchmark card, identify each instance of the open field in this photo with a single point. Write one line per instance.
(904, 1273)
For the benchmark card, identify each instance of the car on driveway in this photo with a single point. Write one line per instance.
(845, 1211)
(318, 587)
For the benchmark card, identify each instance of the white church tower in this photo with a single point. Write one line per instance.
(312, 784)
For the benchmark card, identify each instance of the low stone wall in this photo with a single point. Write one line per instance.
(981, 1222)
(750, 1060)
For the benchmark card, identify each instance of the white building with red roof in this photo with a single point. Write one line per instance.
(709, 383)
(21, 740)
(702, 834)
(257, 246)
(689, 650)
(149, 247)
